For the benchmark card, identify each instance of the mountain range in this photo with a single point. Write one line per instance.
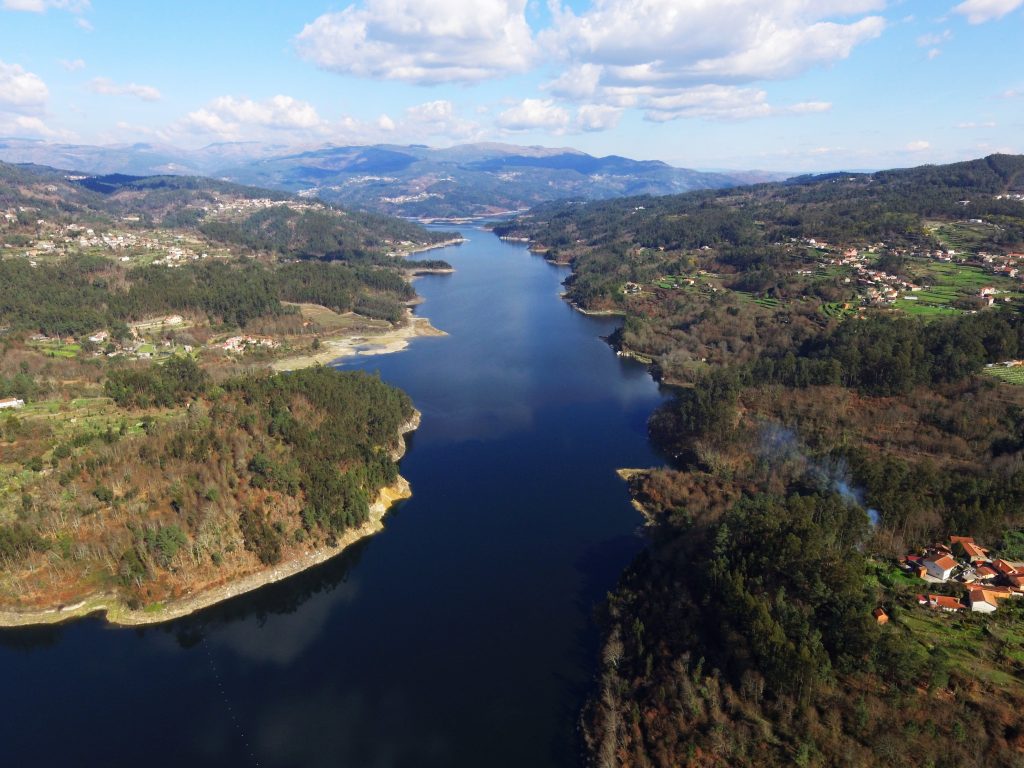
(417, 181)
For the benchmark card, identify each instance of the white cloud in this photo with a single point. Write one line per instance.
(535, 114)
(981, 11)
(437, 120)
(693, 42)
(578, 82)
(23, 97)
(73, 65)
(934, 38)
(21, 91)
(918, 146)
(597, 117)
(232, 118)
(1013, 93)
(108, 87)
(28, 126)
(41, 6)
(713, 102)
(84, 24)
(283, 119)
(972, 125)
(422, 41)
(691, 58)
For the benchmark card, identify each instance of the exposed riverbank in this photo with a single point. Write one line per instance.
(433, 246)
(383, 343)
(116, 612)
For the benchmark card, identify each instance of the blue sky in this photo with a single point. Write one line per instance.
(794, 85)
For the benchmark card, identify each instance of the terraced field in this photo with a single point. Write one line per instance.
(1013, 375)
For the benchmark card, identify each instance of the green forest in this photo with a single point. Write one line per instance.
(200, 478)
(745, 634)
(156, 458)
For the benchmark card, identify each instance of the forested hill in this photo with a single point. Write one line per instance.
(842, 344)
(252, 218)
(463, 180)
(718, 275)
(144, 452)
(837, 207)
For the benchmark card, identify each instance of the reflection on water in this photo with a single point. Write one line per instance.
(462, 635)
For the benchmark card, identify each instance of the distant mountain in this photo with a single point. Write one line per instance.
(465, 180)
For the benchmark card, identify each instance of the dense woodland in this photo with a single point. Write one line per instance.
(79, 295)
(247, 471)
(750, 239)
(744, 635)
(161, 479)
(291, 252)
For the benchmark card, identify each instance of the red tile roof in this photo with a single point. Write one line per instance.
(1004, 567)
(945, 562)
(943, 601)
(973, 551)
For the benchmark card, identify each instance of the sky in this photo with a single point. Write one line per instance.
(784, 85)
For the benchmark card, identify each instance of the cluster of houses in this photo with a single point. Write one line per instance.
(247, 205)
(881, 287)
(1006, 264)
(987, 580)
(239, 344)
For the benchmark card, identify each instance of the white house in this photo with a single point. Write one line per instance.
(979, 603)
(940, 568)
(12, 402)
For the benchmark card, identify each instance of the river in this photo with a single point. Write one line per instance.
(462, 635)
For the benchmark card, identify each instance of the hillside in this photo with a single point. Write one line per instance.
(148, 455)
(155, 501)
(415, 181)
(844, 348)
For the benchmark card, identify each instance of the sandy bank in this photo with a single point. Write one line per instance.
(386, 342)
(433, 246)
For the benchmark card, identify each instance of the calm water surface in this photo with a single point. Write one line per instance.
(460, 636)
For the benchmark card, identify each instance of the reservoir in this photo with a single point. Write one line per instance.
(461, 635)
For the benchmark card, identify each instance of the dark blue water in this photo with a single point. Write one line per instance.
(459, 636)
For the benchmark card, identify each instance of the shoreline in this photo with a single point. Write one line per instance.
(118, 614)
(387, 342)
(627, 475)
(433, 246)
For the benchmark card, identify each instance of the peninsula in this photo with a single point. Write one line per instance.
(153, 462)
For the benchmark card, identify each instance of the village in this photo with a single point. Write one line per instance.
(136, 242)
(986, 581)
(942, 281)
(146, 340)
(138, 247)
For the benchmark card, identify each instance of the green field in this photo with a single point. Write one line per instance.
(950, 282)
(762, 301)
(668, 282)
(57, 348)
(962, 236)
(1013, 375)
(836, 309)
(925, 309)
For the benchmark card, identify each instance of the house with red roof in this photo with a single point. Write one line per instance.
(940, 568)
(944, 603)
(980, 601)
